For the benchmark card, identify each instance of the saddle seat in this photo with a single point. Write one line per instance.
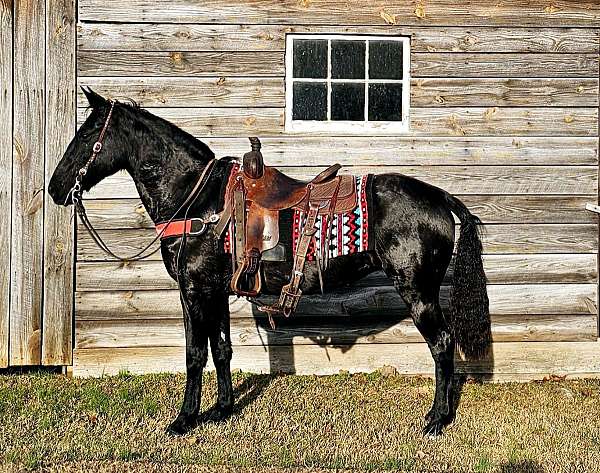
(276, 191)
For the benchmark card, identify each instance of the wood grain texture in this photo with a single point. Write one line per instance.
(509, 361)
(459, 180)
(238, 37)
(130, 213)
(271, 63)
(500, 269)
(363, 12)
(331, 332)
(6, 146)
(28, 183)
(234, 92)
(57, 334)
(384, 301)
(503, 65)
(269, 92)
(440, 121)
(442, 92)
(106, 63)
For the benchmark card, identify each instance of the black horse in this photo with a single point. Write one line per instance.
(412, 223)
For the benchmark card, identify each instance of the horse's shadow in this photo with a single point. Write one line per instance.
(363, 318)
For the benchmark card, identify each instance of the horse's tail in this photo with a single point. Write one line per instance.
(469, 303)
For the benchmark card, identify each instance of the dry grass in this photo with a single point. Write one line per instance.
(365, 422)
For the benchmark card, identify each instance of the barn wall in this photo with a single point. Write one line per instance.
(504, 114)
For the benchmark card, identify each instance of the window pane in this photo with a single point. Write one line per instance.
(348, 59)
(310, 101)
(385, 60)
(385, 102)
(310, 58)
(348, 101)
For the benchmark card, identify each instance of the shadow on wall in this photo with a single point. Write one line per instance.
(342, 318)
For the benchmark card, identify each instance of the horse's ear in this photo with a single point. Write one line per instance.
(95, 100)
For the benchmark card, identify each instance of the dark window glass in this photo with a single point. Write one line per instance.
(348, 59)
(385, 102)
(348, 102)
(310, 58)
(385, 59)
(310, 101)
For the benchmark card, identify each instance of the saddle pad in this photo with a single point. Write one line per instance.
(349, 231)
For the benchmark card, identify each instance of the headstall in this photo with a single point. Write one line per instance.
(76, 191)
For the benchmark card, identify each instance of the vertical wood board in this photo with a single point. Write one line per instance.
(6, 66)
(28, 183)
(58, 228)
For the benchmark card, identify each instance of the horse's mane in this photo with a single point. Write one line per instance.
(200, 150)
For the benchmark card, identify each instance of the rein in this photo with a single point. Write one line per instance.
(76, 191)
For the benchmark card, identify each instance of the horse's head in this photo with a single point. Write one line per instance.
(109, 161)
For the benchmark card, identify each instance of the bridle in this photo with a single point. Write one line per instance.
(76, 190)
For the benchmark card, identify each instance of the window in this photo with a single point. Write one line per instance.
(347, 83)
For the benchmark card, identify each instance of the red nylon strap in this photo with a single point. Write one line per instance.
(175, 228)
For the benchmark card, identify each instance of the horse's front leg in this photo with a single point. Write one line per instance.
(197, 322)
(220, 345)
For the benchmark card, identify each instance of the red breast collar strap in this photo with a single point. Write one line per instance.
(191, 226)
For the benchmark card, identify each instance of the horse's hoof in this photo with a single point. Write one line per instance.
(179, 427)
(433, 429)
(218, 414)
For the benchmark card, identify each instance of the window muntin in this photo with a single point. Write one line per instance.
(347, 83)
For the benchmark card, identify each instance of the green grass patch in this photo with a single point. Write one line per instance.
(358, 422)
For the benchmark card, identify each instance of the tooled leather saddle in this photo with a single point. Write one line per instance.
(255, 199)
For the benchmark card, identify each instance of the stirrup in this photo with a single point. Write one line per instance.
(250, 269)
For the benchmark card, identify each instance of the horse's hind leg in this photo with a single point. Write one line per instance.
(429, 320)
(423, 302)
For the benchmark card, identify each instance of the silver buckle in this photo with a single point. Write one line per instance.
(202, 228)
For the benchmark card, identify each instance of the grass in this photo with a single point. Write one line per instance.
(364, 422)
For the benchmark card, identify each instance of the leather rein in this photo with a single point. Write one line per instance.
(76, 192)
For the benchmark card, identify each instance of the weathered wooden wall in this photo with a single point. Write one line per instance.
(37, 120)
(504, 113)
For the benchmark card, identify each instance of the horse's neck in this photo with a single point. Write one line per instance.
(164, 174)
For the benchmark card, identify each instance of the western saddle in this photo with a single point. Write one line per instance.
(258, 194)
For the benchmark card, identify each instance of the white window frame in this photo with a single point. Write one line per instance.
(366, 126)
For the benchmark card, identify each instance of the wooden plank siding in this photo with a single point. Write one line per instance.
(269, 92)
(577, 13)
(269, 63)
(480, 180)
(37, 121)
(57, 346)
(27, 184)
(504, 105)
(265, 37)
(511, 361)
(6, 117)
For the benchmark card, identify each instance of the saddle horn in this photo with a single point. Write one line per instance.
(253, 163)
